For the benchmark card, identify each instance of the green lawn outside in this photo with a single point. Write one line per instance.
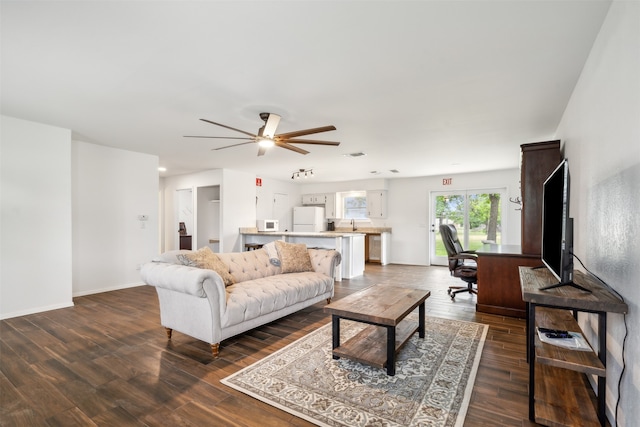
(475, 242)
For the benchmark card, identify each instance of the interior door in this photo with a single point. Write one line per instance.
(282, 211)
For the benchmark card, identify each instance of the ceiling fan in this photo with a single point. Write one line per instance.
(267, 137)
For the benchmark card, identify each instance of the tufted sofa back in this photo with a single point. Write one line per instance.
(249, 265)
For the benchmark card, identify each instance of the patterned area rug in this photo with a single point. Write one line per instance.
(432, 386)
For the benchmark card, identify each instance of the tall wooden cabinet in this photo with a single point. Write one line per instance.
(538, 160)
(498, 285)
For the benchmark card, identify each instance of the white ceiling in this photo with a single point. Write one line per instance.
(424, 87)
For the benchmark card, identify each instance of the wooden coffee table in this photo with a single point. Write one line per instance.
(384, 308)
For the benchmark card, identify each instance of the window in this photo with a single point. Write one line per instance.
(354, 205)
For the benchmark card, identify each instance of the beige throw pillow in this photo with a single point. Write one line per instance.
(205, 258)
(294, 257)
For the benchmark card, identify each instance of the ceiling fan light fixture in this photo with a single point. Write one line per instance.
(266, 143)
(267, 137)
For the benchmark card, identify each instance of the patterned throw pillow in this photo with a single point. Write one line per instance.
(294, 257)
(205, 258)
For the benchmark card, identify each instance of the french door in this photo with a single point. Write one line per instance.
(476, 214)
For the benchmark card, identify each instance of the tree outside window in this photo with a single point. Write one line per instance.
(483, 215)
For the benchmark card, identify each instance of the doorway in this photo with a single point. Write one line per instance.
(208, 218)
(185, 217)
(476, 214)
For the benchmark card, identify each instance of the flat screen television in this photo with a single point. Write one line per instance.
(557, 227)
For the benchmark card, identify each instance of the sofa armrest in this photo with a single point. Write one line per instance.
(325, 261)
(184, 279)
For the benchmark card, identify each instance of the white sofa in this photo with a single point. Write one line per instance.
(196, 302)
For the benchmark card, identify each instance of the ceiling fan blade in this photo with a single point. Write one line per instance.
(217, 137)
(229, 127)
(305, 132)
(271, 125)
(291, 147)
(234, 145)
(261, 150)
(311, 141)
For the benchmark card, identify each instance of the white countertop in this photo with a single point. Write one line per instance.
(302, 233)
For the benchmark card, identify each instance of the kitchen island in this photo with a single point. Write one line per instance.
(377, 243)
(349, 244)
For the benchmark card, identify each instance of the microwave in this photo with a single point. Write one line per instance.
(267, 224)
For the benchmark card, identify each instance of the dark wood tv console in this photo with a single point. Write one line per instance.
(558, 393)
(498, 280)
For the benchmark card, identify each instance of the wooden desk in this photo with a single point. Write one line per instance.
(557, 394)
(498, 279)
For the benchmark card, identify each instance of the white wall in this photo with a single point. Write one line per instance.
(237, 204)
(601, 133)
(111, 188)
(170, 186)
(409, 210)
(35, 224)
(265, 194)
(408, 206)
(358, 185)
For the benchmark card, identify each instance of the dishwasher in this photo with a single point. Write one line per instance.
(375, 248)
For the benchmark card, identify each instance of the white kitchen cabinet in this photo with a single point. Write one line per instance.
(377, 204)
(314, 199)
(330, 206)
(353, 256)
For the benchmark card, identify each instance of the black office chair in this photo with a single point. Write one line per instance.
(462, 263)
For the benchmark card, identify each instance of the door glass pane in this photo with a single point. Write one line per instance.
(476, 215)
(485, 225)
(449, 210)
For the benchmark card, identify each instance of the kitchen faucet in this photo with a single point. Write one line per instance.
(353, 225)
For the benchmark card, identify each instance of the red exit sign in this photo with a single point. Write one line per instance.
(258, 182)
(447, 181)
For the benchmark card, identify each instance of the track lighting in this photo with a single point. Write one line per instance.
(305, 173)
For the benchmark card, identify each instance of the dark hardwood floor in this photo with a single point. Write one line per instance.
(107, 361)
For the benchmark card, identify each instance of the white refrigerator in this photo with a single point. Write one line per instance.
(308, 219)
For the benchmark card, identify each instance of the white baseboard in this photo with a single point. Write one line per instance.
(109, 289)
(35, 310)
